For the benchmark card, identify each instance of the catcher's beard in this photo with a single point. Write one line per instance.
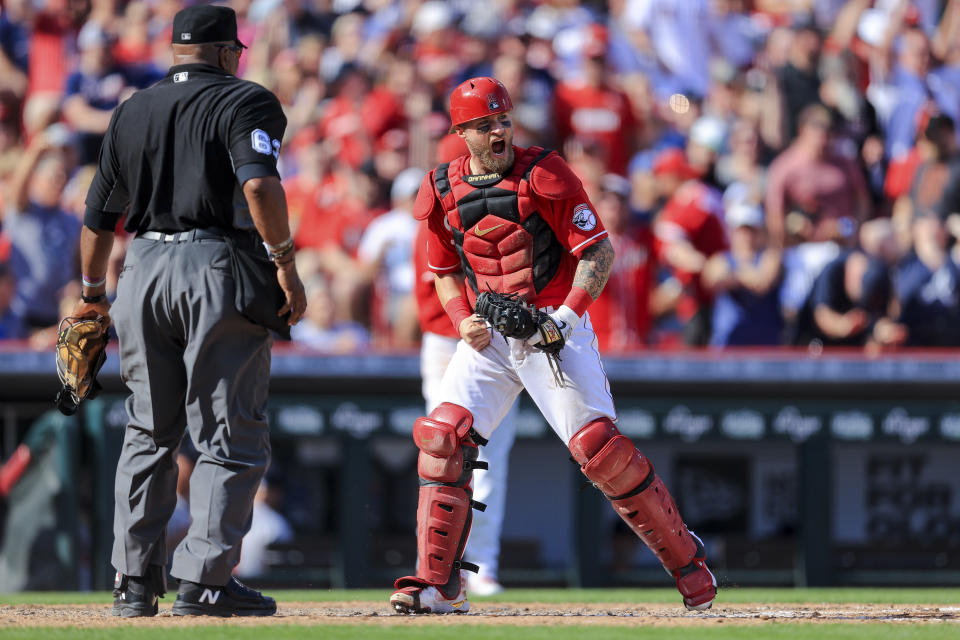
(484, 155)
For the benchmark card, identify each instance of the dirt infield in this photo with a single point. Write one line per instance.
(364, 613)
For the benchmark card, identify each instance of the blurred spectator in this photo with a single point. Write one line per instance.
(95, 89)
(532, 92)
(938, 148)
(343, 126)
(798, 79)
(134, 45)
(385, 259)
(707, 138)
(51, 33)
(267, 527)
(11, 324)
(689, 229)
(44, 238)
(910, 91)
(680, 35)
(813, 193)
(435, 42)
(745, 282)
(15, 18)
(848, 304)
(740, 171)
(320, 329)
(621, 316)
(944, 81)
(927, 288)
(802, 264)
(10, 147)
(588, 111)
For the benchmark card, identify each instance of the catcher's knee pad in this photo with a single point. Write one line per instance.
(638, 495)
(448, 455)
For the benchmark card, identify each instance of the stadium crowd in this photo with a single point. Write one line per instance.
(771, 172)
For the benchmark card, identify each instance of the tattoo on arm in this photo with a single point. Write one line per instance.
(594, 267)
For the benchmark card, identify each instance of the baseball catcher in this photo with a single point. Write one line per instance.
(81, 352)
(514, 245)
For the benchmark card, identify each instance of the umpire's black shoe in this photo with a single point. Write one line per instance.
(232, 599)
(135, 596)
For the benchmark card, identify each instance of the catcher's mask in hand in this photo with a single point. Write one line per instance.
(81, 351)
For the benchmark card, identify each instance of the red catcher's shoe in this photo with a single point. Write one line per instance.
(695, 582)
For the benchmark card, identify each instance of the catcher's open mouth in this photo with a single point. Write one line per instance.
(498, 146)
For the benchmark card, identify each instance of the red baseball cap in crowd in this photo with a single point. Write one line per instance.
(673, 161)
(478, 98)
(595, 41)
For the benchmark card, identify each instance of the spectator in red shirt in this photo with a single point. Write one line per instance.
(591, 111)
(827, 189)
(342, 123)
(621, 315)
(688, 231)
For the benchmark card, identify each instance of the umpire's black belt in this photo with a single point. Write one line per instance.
(245, 239)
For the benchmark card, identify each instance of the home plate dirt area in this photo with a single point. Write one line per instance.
(362, 613)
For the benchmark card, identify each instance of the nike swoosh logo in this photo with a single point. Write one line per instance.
(482, 232)
(457, 605)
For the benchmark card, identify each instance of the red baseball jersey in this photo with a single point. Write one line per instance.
(519, 233)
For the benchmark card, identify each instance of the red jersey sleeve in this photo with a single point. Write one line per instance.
(575, 222)
(442, 255)
(564, 205)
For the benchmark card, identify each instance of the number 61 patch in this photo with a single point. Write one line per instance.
(261, 143)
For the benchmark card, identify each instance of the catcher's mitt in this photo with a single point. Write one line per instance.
(81, 351)
(513, 317)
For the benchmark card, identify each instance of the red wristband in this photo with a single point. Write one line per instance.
(458, 310)
(578, 299)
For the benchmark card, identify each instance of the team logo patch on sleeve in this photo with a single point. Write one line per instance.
(584, 218)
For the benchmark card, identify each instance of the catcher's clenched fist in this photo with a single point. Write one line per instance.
(474, 331)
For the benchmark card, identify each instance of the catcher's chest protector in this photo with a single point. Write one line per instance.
(503, 242)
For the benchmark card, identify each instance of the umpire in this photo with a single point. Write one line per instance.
(194, 158)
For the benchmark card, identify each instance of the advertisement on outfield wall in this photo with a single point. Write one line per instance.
(733, 465)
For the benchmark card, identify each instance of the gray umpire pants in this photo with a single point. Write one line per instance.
(190, 361)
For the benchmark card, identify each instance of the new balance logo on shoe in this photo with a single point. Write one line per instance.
(209, 595)
(232, 599)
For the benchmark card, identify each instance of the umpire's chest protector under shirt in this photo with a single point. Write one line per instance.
(179, 152)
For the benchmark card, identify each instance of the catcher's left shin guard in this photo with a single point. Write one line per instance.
(639, 496)
(448, 455)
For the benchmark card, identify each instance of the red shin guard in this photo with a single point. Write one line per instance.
(445, 466)
(638, 495)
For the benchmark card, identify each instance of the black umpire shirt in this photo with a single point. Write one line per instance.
(179, 152)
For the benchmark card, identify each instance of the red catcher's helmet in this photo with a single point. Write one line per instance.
(478, 98)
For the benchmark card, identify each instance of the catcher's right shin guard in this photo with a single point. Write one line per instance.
(639, 496)
(448, 455)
